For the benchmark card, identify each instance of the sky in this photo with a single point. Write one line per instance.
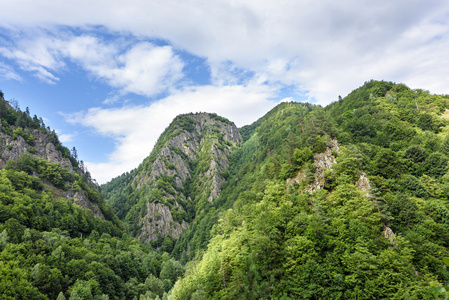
(110, 75)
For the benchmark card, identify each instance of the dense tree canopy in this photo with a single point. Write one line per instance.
(349, 201)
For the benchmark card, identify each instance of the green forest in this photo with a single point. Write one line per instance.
(347, 201)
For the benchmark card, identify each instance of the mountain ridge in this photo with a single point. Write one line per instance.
(346, 201)
(188, 159)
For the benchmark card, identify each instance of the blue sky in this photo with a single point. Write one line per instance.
(109, 76)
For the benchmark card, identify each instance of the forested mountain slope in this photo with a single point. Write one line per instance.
(349, 201)
(345, 202)
(58, 238)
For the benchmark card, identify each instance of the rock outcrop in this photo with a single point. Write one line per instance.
(322, 162)
(158, 222)
(80, 198)
(184, 169)
(11, 149)
(42, 147)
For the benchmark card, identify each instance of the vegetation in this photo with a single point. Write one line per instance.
(273, 239)
(376, 228)
(153, 183)
(52, 248)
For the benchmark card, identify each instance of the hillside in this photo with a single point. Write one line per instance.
(345, 202)
(58, 237)
(349, 201)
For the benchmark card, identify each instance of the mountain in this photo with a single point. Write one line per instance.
(183, 173)
(343, 202)
(347, 201)
(58, 237)
(31, 151)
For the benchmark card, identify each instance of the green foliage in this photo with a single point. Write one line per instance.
(301, 156)
(277, 242)
(436, 165)
(51, 265)
(19, 131)
(347, 165)
(265, 236)
(35, 204)
(412, 186)
(386, 164)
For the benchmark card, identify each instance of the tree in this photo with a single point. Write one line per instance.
(436, 165)
(74, 153)
(386, 164)
(3, 239)
(413, 186)
(381, 205)
(14, 104)
(426, 122)
(59, 253)
(14, 229)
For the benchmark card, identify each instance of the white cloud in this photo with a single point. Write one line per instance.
(37, 57)
(65, 138)
(324, 47)
(143, 68)
(136, 128)
(253, 48)
(8, 73)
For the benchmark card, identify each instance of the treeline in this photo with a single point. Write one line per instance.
(52, 248)
(36, 186)
(53, 265)
(278, 241)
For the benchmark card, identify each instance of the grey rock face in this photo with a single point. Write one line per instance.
(43, 148)
(158, 222)
(208, 140)
(326, 160)
(80, 198)
(363, 183)
(11, 149)
(323, 161)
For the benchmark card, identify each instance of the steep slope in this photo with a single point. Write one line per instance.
(26, 139)
(184, 172)
(58, 239)
(271, 136)
(31, 156)
(344, 202)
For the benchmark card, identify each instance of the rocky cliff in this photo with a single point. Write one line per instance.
(185, 170)
(11, 149)
(20, 135)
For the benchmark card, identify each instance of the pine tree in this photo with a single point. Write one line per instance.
(382, 207)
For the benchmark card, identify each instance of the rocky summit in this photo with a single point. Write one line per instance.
(185, 169)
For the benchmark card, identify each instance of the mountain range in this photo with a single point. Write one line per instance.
(347, 201)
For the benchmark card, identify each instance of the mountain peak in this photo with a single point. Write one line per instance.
(182, 173)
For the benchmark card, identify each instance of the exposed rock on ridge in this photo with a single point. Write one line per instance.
(192, 154)
(12, 149)
(158, 222)
(322, 162)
